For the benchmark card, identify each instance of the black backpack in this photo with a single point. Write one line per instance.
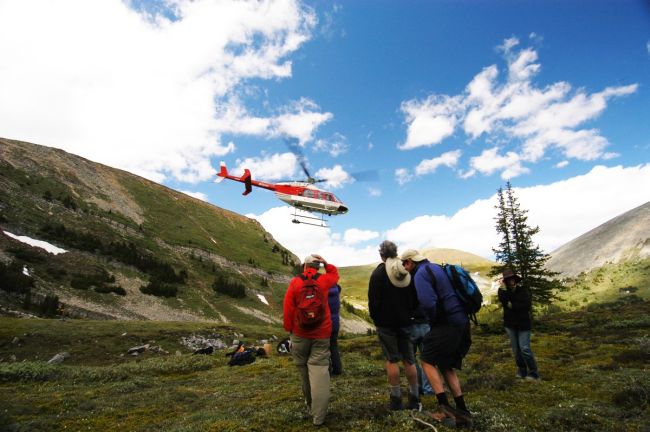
(242, 358)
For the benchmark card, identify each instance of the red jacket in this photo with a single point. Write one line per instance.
(324, 283)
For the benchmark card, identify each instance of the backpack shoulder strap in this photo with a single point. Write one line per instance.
(433, 278)
(441, 316)
(305, 277)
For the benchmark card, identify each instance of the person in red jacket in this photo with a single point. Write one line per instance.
(307, 317)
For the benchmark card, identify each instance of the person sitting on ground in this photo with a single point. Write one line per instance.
(391, 304)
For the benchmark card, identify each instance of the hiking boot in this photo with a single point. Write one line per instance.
(428, 417)
(440, 415)
(532, 378)
(396, 403)
(463, 419)
(414, 403)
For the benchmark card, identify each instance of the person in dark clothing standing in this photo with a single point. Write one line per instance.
(517, 304)
(391, 301)
(334, 300)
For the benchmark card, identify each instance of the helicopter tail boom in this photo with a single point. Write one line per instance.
(245, 178)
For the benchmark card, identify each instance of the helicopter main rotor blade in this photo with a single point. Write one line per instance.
(366, 176)
(295, 148)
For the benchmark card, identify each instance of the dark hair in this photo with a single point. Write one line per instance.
(387, 249)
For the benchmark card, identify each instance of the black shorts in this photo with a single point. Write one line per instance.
(396, 344)
(445, 346)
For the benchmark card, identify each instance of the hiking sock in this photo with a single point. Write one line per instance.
(414, 389)
(396, 391)
(460, 403)
(442, 398)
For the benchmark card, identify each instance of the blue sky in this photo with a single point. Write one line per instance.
(445, 99)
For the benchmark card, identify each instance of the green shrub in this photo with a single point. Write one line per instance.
(105, 289)
(580, 417)
(361, 313)
(160, 289)
(49, 306)
(636, 394)
(229, 286)
(28, 371)
(28, 254)
(490, 381)
(12, 278)
(56, 272)
(635, 355)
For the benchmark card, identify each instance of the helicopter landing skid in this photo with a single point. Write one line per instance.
(307, 220)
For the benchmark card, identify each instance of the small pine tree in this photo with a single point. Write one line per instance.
(518, 251)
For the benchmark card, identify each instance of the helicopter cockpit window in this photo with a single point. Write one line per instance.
(308, 193)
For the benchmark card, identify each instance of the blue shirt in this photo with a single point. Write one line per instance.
(440, 293)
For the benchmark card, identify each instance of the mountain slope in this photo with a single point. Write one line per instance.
(123, 231)
(623, 237)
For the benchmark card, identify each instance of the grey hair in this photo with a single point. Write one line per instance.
(387, 249)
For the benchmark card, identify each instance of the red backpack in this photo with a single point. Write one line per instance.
(310, 305)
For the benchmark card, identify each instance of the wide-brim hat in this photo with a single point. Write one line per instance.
(508, 273)
(413, 255)
(397, 274)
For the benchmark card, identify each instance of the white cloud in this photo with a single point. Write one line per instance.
(430, 121)
(336, 177)
(374, 192)
(197, 195)
(563, 210)
(514, 110)
(491, 161)
(403, 176)
(448, 159)
(300, 121)
(138, 98)
(354, 235)
(335, 146)
(562, 164)
(303, 240)
(508, 44)
(277, 166)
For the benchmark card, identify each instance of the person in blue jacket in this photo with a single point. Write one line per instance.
(334, 300)
(449, 338)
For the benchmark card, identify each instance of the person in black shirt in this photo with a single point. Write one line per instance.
(391, 302)
(517, 304)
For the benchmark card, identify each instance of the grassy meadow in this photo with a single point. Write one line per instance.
(594, 366)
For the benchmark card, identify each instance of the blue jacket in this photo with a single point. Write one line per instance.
(438, 300)
(334, 300)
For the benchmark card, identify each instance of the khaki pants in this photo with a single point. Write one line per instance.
(312, 358)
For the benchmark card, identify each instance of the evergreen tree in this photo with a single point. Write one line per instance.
(518, 251)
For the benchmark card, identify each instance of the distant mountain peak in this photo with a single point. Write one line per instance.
(625, 236)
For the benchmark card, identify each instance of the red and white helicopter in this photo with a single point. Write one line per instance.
(301, 195)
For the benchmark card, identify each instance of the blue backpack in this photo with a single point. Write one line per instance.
(465, 287)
